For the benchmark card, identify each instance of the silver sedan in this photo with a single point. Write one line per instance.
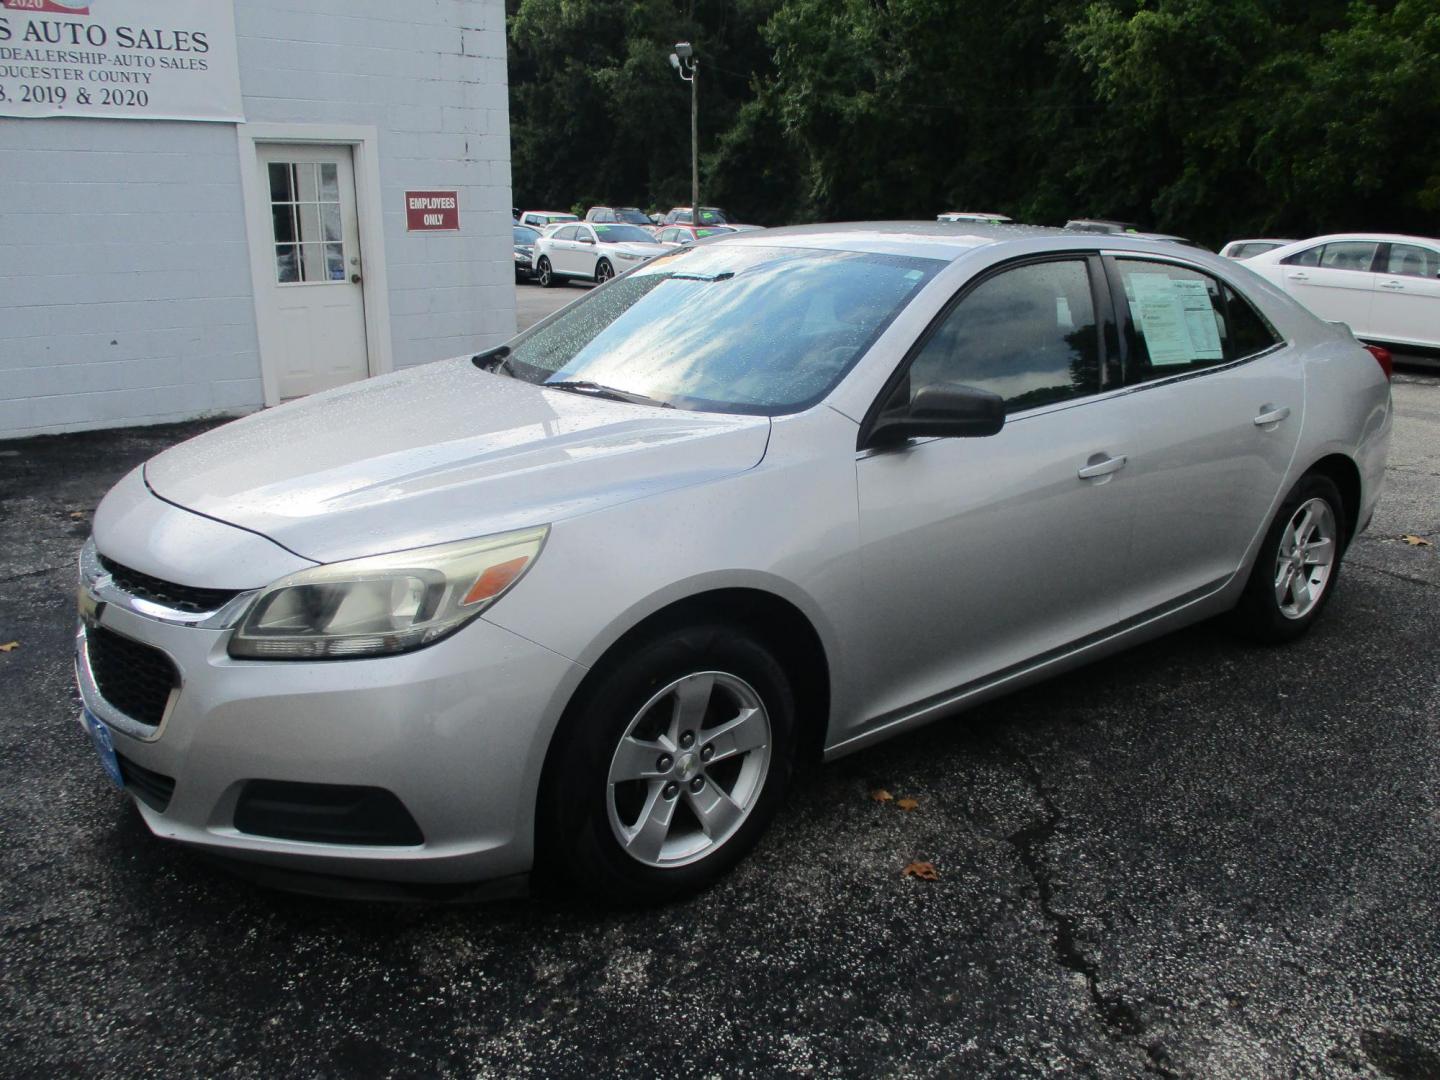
(577, 606)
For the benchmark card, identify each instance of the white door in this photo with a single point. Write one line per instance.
(314, 290)
(1334, 281)
(1407, 300)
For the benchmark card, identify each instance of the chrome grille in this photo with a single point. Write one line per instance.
(187, 598)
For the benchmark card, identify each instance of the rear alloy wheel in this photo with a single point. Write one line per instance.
(1298, 564)
(603, 271)
(668, 769)
(544, 273)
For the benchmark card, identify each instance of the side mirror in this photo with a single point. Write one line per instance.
(585, 239)
(943, 410)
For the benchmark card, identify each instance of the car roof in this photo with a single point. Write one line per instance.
(1377, 237)
(928, 239)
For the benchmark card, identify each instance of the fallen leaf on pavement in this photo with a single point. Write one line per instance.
(881, 795)
(1416, 541)
(925, 871)
(908, 804)
(9, 646)
(79, 515)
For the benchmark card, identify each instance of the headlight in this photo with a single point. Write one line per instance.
(386, 603)
(628, 255)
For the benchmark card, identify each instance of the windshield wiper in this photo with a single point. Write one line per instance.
(594, 389)
(494, 360)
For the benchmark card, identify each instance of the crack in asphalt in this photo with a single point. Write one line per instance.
(1395, 574)
(31, 573)
(1121, 1021)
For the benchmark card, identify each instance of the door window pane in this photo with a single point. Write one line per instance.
(1349, 255)
(1308, 257)
(1026, 334)
(306, 221)
(1411, 261)
(282, 184)
(1177, 320)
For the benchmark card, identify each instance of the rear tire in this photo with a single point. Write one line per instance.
(1298, 566)
(544, 274)
(668, 768)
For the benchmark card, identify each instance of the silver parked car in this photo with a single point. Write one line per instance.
(579, 605)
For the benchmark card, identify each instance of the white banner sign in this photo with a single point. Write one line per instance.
(134, 59)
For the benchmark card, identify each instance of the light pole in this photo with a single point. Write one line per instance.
(683, 60)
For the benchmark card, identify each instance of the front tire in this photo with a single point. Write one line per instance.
(544, 274)
(668, 768)
(1298, 566)
(603, 271)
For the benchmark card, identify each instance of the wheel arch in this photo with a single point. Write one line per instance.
(776, 621)
(1342, 471)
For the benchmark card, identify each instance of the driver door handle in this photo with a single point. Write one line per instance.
(1272, 416)
(1101, 468)
(1391, 285)
(1298, 276)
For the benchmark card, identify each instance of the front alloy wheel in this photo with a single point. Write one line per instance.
(603, 272)
(689, 769)
(668, 766)
(544, 273)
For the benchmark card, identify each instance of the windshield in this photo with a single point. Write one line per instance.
(726, 328)
(525, 235)
(631, 216)
(623, 234)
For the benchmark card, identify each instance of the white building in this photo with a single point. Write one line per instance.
(296, 229)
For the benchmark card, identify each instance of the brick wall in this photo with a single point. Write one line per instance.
(125, 293)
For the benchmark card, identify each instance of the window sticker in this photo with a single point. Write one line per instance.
(1063, 318)
(1175, 317)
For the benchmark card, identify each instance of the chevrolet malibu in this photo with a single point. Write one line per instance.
(575, 608)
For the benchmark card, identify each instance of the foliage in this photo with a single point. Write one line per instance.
(1211, 118)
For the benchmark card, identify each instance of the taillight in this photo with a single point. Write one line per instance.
(1383, 358)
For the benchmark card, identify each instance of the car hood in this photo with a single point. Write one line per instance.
(636, 248)
(438, 453)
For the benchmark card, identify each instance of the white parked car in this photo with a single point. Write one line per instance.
(1385, 287)
(1244, 249)
(592, 251)
(538, 219)
(974, 217)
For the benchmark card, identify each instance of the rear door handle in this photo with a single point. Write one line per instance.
(1391, 285)
(1104, 467)
(1298, 277)
(1272, 415)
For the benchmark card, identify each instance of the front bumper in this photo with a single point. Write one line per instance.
(456, 732)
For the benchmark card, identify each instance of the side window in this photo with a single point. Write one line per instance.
(1349, 255)
(1308, 257)
(567, 233)
(1408, 260)
(1178, 321)
(1250, 333)
(1027, 334)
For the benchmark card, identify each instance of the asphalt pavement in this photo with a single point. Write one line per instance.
(1196, 859)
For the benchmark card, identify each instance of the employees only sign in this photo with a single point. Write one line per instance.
(131, 59)
(428, 211)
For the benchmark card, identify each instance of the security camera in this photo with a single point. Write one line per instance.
(683, 50)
